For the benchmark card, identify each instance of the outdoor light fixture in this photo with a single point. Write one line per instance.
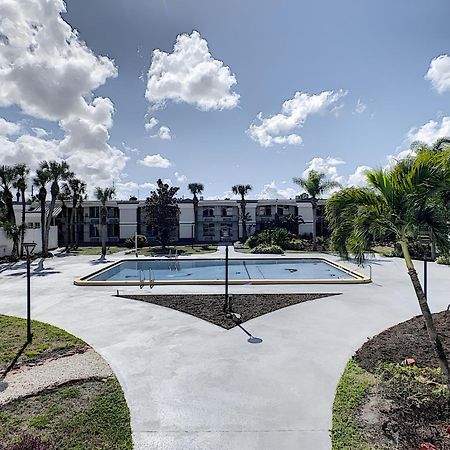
(29, 250)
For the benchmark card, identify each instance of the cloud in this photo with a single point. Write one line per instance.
(49, 73)
(327, 165)
(180, 178)
(277, 129)
(360, 107)
(8, 128)
(439, 73)
(358, 177)
(155, 161)
(430, 132)
(164, 133)
(270, 191)
(190, 75)
(153, 121)
(39, 132)
(129, 149)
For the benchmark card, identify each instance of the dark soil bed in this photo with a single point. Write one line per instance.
(406, 340)
(210, 307)
(403, 407)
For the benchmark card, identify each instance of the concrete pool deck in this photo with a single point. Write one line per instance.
(192, 385)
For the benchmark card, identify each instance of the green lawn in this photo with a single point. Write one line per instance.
(97, 250)
(85, 415)
(46, 340)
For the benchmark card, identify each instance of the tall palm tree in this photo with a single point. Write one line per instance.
(196, 189)
(65, 195)
(315, 185)
(397, 203)
(242, 190)
(58, 171)
(104, 195)
(22, 172)
(13, 232)
(41, 180)
(78, 190)
(8, 176)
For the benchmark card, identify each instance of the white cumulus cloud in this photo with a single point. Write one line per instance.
(190, 75)
(180, 178)
(271, 191)
(430, 132)
(164, 133)
(8, 128)
(360, 107)
(327, 165)
(155, 161)
(278, 129)
(358, 177)
(439, 73)
(152, 122)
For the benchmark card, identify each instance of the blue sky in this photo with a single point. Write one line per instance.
(371, 56)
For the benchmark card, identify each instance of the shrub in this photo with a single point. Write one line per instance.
(28, 442)
(141, 241)
(296, 245)
(443, 259)
(279, 237)
(268, 249)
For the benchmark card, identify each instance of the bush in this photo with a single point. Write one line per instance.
(30, 443)
(279, 237)
(268, 249)
(297, 245)
(141, 241)
(443, 259)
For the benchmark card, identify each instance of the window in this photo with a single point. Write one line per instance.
(226, 230)
(93, 231)
(30, 225)
(280, 210)
(208, 212)
(209, 229)
(94, 211)
(265, 211)
(113, 212)
(37, 224)
(227, 212)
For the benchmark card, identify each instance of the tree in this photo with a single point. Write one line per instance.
(162, 212)
(242, 190)
(57, 171)
(78, 190)
(196, 189)
(13, 232)
(398, 202)
(8, 177)
(41, 180)
(315, 185)
(65, 195)
(22, 172)
(104, 195)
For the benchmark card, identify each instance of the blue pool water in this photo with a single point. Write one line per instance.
(214, 269)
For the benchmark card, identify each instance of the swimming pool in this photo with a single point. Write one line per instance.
(212, 271)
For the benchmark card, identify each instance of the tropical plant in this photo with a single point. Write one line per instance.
(22, 172)
(162, 212)
(41, 180)
(315, 185)
(397, 204)
(13, 232)
(104, 195)
(57, 171)
(242, 190)
(8, 177)
(141, 241)
(268, 249)
(78, 194)
(196, 189)
(65, 195)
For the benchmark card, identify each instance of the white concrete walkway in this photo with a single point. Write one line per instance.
(192, 385)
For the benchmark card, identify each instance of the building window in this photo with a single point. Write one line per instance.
(227, 212)
(208, 212)
(93, 231)
(209, 229)
(94, 211)
(113, 213)
(280, 210)
(30, 225)
(226, 230)
(37, 224)
(265, 211)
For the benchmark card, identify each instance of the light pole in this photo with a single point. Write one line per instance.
(29, 249)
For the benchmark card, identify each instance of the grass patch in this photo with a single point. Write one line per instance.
(97, 417)
(353, 386)
(383, 250)
(47, 340)
(181, 250)
(93, 251)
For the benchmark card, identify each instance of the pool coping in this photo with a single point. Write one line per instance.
(86, 280)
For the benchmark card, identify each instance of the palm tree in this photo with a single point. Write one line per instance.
(22, 172)
(41, 180)
(64, 196)
(104, 195)
(8, 176)
(242, 190)
(13, 232)
(195, 188)
(398, 202)
(78, 190)
(315, 185)
(57, 171)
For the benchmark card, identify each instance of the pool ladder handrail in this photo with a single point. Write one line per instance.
(151, 279)
(174, 257)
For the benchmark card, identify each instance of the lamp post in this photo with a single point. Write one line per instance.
(29, 249)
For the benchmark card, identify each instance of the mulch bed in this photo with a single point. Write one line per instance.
(404, 409)
(406, 340)
(210, 307)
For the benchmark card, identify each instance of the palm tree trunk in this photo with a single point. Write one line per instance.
(42, 226)
(244, 221)
(314, 223)
(195, 237)
(427, 316)
(48, 223)
(22, 231)
(103, 230)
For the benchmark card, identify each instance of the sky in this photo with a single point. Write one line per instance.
(221, 93)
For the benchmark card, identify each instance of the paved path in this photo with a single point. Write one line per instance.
(192, 385)
(29, 380)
